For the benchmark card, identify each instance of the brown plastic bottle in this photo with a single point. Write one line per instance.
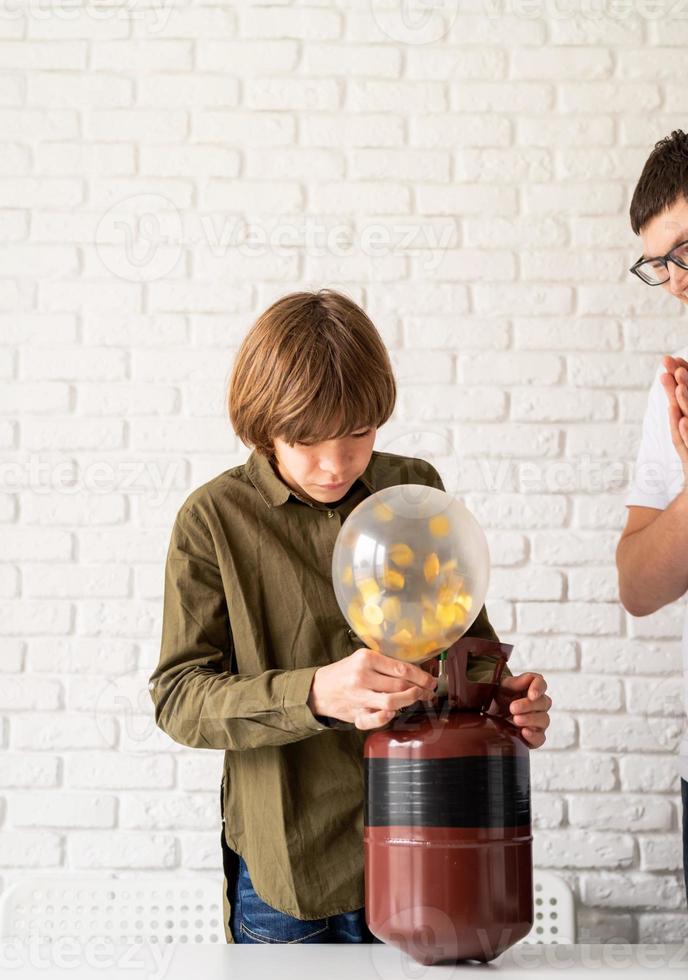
(447, 833)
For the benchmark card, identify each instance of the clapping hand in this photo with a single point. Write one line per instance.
(675, 384)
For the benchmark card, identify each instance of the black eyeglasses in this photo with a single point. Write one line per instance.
(656, 271)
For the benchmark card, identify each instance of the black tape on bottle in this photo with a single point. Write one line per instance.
(465, 791)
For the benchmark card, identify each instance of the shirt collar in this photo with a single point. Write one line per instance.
(275, 491)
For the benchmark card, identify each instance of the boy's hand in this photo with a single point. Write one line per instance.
(675, 384)
(529, 712)
(367, 687)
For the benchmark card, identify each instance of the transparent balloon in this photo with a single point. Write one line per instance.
(410, 571)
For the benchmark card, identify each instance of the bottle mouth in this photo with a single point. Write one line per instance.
(455, 692)
(440, 707)
(475, 695)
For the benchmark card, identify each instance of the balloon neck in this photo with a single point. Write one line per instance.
(462, 692)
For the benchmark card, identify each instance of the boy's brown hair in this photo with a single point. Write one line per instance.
(663, 179)
(312, 367)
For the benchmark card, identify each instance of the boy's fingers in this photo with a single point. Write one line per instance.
(522, 681)
(410, 673)
(537, 688)
(668, 382)
(366, 719)
(538, 719)
(671, 392)
(522, 707)
(682, 396)
(676, 388)
(673, 363)
(678, 428)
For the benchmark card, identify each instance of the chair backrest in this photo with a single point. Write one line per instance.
(123, 910)
(555, 919)
(149, 909)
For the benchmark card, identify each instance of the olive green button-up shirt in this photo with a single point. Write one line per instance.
(249, 614)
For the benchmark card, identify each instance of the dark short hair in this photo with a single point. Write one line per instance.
(663, 180)
(312, 367)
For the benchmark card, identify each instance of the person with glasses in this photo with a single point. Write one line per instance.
(652, 553)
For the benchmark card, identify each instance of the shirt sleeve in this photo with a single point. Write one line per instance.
(198, 701)
(657, 474)
(478, 667)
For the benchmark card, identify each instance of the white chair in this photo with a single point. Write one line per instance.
(555, 920)
(122, 910)
(149, 909)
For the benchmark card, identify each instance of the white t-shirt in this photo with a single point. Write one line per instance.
(657, 479)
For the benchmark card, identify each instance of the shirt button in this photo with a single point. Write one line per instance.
(330, 513)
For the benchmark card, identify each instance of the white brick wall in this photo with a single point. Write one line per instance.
(464, 173)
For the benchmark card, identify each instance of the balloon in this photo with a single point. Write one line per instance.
(410, 570)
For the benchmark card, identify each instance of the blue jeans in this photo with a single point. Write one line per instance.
(684, 797)
(254, 921)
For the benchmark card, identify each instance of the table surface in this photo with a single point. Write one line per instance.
(176, 961)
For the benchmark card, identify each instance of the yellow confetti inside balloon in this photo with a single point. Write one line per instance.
(372, 642)
(439, 526)
(373, 614)
(410, 571)
(401, 554)
(431, 567)
(355, 617)
(369, 589)
(429, 625)
(407, 653)
(466, 601)
(445, 614)
(407, 624)
(391, 579)
(401, 636)
(391, 608)
(459, 613)
(451, 579)
(354, 607)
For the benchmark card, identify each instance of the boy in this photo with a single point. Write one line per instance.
(256, 657)
(651, 554)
